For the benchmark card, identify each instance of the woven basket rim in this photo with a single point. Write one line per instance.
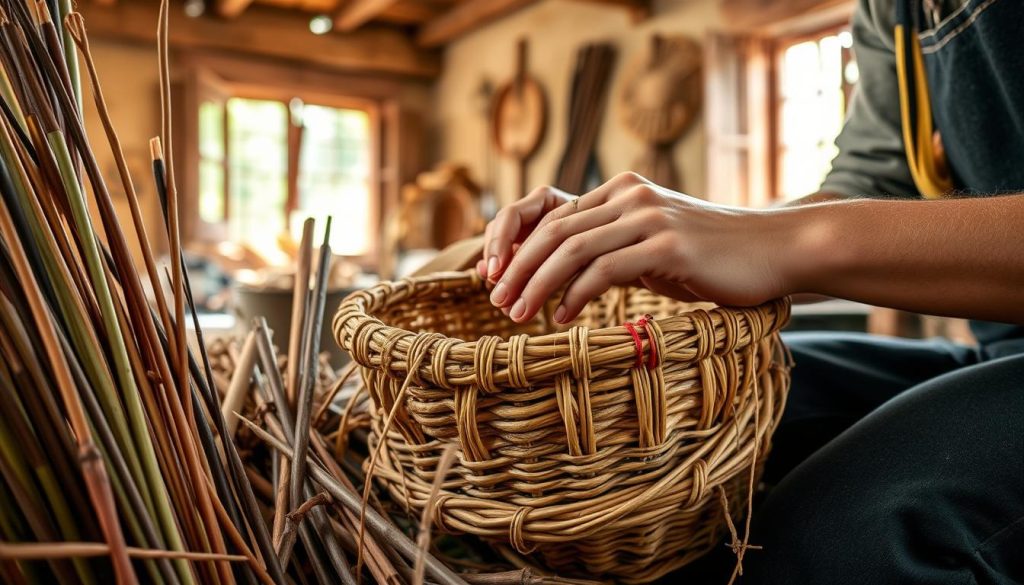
(461, 357)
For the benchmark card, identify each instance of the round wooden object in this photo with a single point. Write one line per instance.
(519, 118)
(662, 93)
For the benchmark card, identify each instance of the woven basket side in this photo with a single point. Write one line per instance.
(378, 326)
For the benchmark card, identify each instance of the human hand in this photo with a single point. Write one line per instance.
(630, 230)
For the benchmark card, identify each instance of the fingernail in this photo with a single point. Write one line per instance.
(518, 310)
(560, 314)
(492, 266)
(498, 294)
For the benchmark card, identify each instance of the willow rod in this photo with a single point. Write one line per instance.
(50, 550)
(89, 246)
(374, 521)
(95, 473)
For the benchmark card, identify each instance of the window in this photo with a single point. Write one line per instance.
(265, 165)
(815, 79)
(774, 106)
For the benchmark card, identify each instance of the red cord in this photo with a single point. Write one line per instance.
(652, 360)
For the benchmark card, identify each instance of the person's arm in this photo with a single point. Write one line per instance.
(955, 258)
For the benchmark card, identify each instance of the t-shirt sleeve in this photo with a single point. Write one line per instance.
(871, 160)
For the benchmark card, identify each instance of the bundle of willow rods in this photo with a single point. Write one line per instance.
(119, 459)
(110, 462)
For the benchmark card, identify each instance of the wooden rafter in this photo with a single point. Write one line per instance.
(231, 8)
(470, 15)
(355, 13)
(639, 9)
(465, 17)
(367, 50)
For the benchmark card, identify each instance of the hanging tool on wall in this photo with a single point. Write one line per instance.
(580, 169)
(660, 102)
(519, 118)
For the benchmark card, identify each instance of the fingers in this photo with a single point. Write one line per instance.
(555, 254)
(513, 222)
(620, 267)
(516, 222)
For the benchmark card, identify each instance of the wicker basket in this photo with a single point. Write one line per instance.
(571, 446)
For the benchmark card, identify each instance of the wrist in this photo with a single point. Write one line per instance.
(807, 246)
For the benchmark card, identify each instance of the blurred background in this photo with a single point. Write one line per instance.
(410, 122)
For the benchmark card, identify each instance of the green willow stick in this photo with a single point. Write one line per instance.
(65, 8)
(74, 312)
(122, 367)
(27, 444)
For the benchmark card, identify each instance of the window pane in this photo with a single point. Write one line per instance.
(812, 110)
(211, 191)
(831, 63)
(259, 172)
(211, 130)
(335, 176)
(800, 68)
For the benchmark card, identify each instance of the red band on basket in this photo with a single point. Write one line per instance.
(652, 360)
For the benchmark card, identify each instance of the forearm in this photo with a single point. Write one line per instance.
(953, 257)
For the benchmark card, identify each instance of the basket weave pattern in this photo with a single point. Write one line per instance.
(569, 445)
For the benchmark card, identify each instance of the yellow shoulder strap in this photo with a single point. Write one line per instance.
(917, 121)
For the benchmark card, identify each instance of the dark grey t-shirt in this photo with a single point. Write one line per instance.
(871, 160)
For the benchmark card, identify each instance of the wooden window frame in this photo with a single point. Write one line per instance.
(741, 92)
(779, 44)
(373, 111)
(397, 132)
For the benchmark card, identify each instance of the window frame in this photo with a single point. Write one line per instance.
(400, 152)
(779, 43)
(285, 96)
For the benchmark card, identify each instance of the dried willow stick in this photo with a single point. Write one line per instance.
(299, 309)
(93, 470)
(423, 539)
(308, 374)
(276, 396)
(238, 391)
(325, 405)
(380, 565)
(243, 487)
(374, 521)
(55, 550)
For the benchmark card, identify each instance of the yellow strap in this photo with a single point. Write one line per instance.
(920, 148)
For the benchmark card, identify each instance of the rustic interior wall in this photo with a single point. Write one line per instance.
(555, 30)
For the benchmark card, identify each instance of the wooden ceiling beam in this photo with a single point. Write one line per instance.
(466, 17)
(355, 13)
(639, 9)
(230, 8)
(473, 14)
(270, 33)
(409, 12)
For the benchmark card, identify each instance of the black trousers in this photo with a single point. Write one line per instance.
(897, 461)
